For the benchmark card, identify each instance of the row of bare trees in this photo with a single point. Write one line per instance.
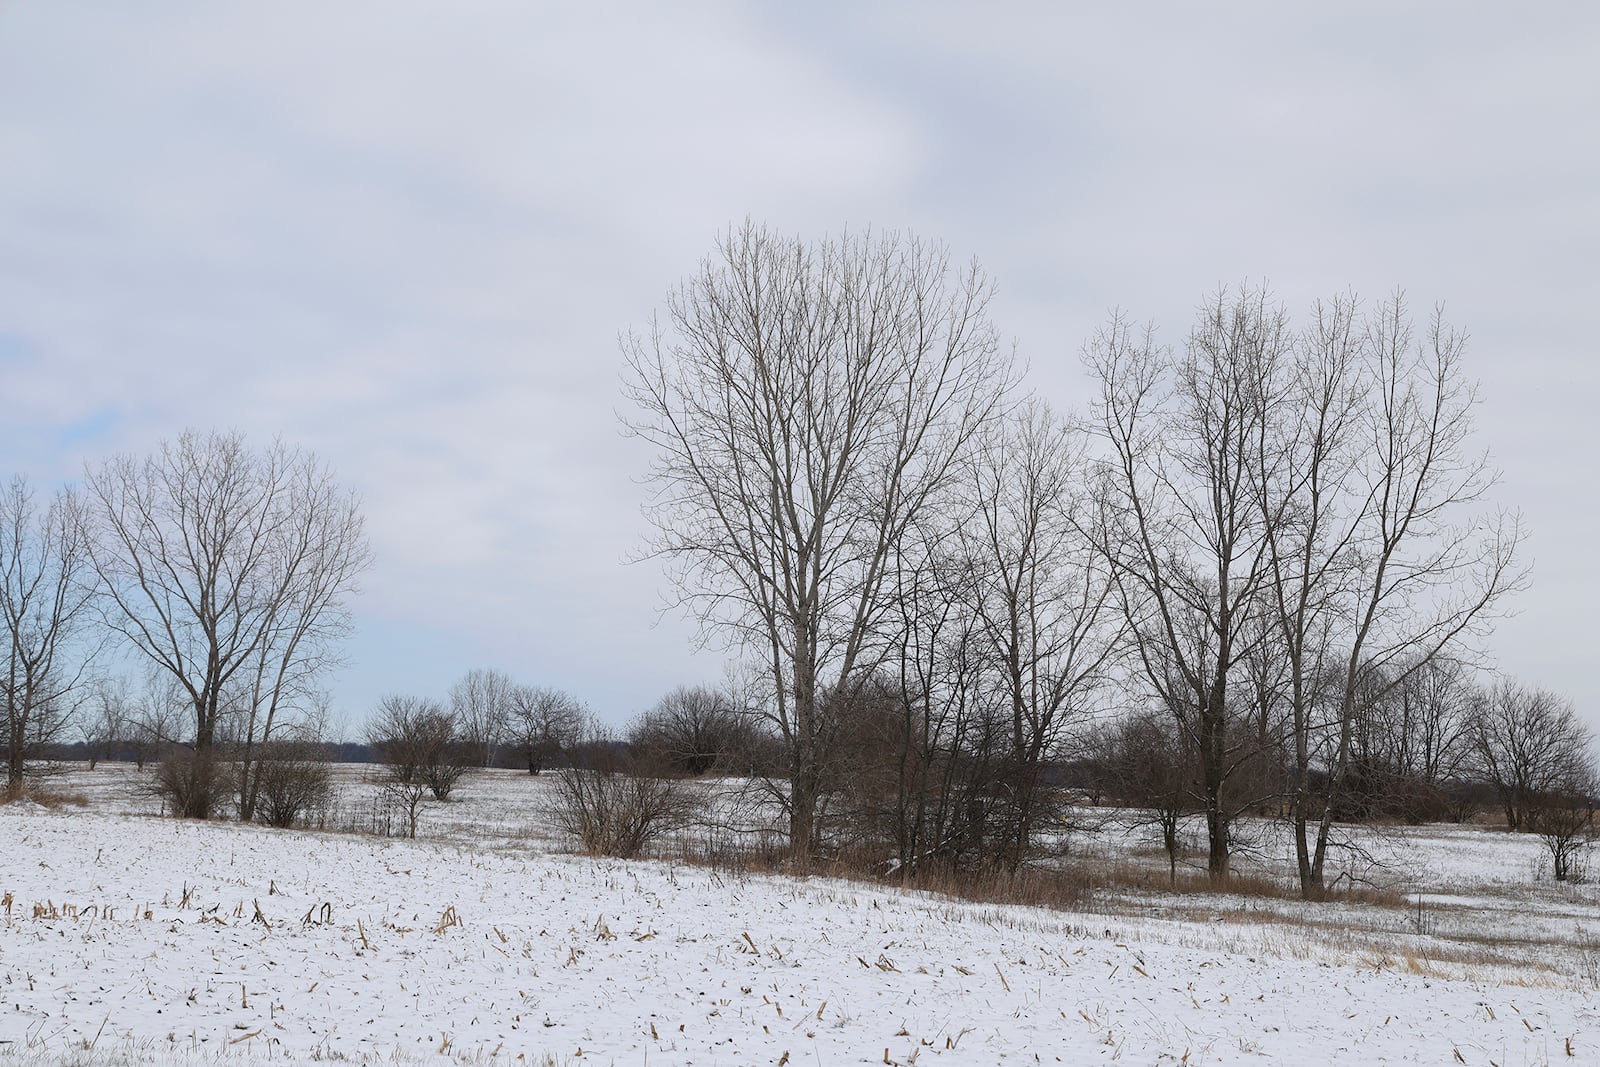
(614, 793)
(1440, 745)
(488, 720)
(222, 572)
(486, 715)
(1251, 541)
(1294, 517)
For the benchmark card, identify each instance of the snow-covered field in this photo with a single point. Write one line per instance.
(131, 938)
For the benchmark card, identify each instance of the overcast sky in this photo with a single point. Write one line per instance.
(406, 236)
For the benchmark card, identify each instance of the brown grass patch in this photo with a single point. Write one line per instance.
(43, 796)
(1126, 877)
(1079, 884)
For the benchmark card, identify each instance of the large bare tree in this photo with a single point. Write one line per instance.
(1367, 480)
(806, 401)
(1179, 522)
(1043, 601)
(226, 567)
(46, 590)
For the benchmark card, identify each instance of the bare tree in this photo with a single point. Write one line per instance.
(944, 750)
(1153, 767)
(692, 729)
(422, 742)
(1429, 715)
(1043, 600)
(1530, 744)
(1179, 524)
(1363, 469)
(806, 402)
(1411, 752)
(159, 715)
(46, 591)
(225, 564)
(482, 702)
(323, 552)
(107, 729)
(544, 723)
(1565, 822)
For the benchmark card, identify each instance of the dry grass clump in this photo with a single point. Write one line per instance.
(1125, 877)
(1081, 884)
(43, 795)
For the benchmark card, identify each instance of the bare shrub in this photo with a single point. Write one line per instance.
(616, 806)
(192, 782)
(293, 780)
(1055, 888)
(1565, 823)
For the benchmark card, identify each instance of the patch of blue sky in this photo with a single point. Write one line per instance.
(92, 428)
(13, 349)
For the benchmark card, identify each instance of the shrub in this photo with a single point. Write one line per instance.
(191, 782)
(293, 779)
(1565, 822)
(617, 807)
(43, 796)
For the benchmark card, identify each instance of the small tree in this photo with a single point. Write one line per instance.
(544, 723)
(420, 741)
(692, 730)
(1154, 769)
(1565, 820)
(399, 798)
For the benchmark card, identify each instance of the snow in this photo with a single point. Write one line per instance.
(130, 938)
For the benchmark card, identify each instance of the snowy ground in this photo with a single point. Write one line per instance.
(131, 938)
